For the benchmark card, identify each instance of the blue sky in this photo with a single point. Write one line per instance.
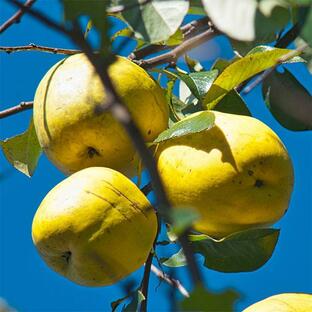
(27, 284)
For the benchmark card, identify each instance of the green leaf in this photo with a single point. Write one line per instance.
(239, 252)
(205, 301)
(196, 123)
(221, 64)
(23, 151)
(155, 21)
(306, 31)
(182, 219)
(233, 103)
(196, 7)
(74, 9)
(175, 39)
(289, 102)
(241, 70)
(176, 260)
(137, 298)
(200, 82)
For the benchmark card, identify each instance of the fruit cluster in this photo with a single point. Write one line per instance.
(96, 226)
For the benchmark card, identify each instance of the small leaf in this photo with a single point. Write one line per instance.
(205, 301)
(196, 123)
(200, 82)
(192, 64)
(289, 102)
(241, 70)
(176, 260)
(137, 298)
(239, 252)
(233, 103)
(23, 151)
(182, 219)
(155, 21)
(175, 39)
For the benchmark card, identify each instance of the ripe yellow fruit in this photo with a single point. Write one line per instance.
(289, 302)
(72, 131)
(95, 227)
(237, 175)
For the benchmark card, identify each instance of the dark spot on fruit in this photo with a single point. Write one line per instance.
(261, 162)
(92, 152)
(149, 131)
(258, 183)
(66, 255)
(250, 172)
(269, 195)
(239, 182)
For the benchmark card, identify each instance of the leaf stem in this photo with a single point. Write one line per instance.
(16, 109)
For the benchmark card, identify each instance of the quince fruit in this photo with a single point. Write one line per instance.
(72, 130)
(289, 302)
(237, 175)
(95, 227)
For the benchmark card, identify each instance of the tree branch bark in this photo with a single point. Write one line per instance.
(16, 109)
(174, 54)
(35, 47)
(16, 18)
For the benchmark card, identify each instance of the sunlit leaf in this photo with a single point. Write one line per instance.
(241, 70)
(176, 260)
(196, 7)
(239, 252)
(200, 122)
(23, 151)
(157, 20)
(205, 301)
(288, 100)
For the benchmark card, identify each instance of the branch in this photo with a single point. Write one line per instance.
(171, 281)
(16, 18)
(188, 30)
(145, 281)
(15, 109)
(34, 47)
(281, 60)
(120, 111)
(174, 54)
(283, 42)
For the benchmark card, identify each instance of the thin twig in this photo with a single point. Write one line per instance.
(122, 114)
(145, 282)
(16, 18)
(35, 47)
(266, 73)
(16, 109)
(147, 188)
(188, 30)
(174, 54)
(171, 281)
(283, 42)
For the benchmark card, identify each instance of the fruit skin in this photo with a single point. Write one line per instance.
(72, 131)
(95, 227)
(288, 302)
(237, 175)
